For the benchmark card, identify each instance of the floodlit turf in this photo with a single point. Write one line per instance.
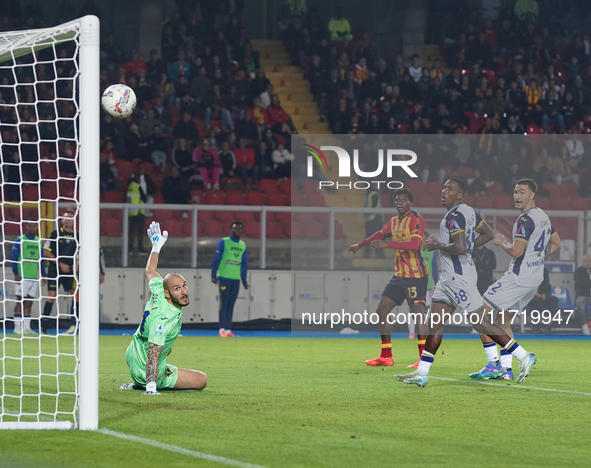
(303, 402)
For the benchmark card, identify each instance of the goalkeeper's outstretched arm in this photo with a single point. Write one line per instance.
(158, 239)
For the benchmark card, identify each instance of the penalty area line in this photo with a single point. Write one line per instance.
(572, 392)
(180, 450)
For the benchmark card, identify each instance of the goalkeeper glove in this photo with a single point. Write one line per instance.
(157, 238)
(151, 386)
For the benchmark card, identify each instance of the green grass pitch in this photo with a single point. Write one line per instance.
(304, 402)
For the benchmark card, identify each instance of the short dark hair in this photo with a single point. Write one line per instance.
(236, 223)
(461, 184)
(530, 183)
(404, 191)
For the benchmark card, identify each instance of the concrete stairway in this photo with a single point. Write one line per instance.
(293, 90)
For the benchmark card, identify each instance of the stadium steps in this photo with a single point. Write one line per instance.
(292, 89)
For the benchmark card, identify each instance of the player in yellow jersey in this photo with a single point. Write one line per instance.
(410, 271)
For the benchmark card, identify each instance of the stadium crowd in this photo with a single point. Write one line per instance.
(504, 68)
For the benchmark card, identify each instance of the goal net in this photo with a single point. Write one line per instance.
(49, 136)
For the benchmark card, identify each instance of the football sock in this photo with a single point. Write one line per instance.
(27, 322)
(425, 363)
(18, 320)
(386, 350)
(506, 359)
(47, 308)
(490, 348)
(421, 344)
(411, 325)
(516, 350)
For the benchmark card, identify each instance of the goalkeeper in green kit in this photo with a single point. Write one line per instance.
(159, 329)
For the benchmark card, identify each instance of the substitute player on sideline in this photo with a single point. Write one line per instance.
(457, 285)
(534, 238)
(410, 270)
(229, 266)
(27, 253)
(159, 329)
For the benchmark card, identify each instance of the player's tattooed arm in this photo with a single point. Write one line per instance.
(459, 246)
(154, 352)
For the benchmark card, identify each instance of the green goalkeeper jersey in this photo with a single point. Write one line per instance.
(160, 325)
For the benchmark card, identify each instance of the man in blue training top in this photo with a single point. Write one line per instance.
(229, 266)
(27, 253)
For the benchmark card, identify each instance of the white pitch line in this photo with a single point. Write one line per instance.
(183, 451)
(513, 386)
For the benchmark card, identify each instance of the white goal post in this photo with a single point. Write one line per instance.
(21, 49)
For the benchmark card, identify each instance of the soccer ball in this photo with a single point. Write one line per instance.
(119, 101)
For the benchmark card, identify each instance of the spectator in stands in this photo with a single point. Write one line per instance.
(155, 66)
(543, 300)
(539, 175)
(415, 70)
(282, 159)
(485, 262)
(182, 158)
(499, 105)
(551, 115)
(217, 106)
(576, 149)
(12, 174)
(512, 176)
(533, 95)
(201, 86)
(361, 71)
(137, 216)
(246, 128)
(148, 186)
(580, 94)
(564, 167)
(476, 186)
(186, 128)
(259, 84)
(206, 160)
(583, 292)
(158, 144)
(175, 188)
(162, 113)
(135, 65)
(136, 145)
(67, 158)
(399, 70)
(514, 127)
(264, 161)
(108, 171)
(278, 119)
(246, 164)
(339, 27)
(227, 160)
(146, 125)
(567, 109)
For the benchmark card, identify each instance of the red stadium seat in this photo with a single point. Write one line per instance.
(469, 200)
(296, 231)
(213, 228)
(464, 172)
(124, 170)
(235, 197)
(322, 218)
(495, 189)
(416, 186)
(268, 185)
(175, 228)
(276, 199)
(252, 230)
(297, 199)
(314, 230)
(553, 188)
(255, 198)
(434, 188)
(303, 217)
(568, 189)
(113, 196)
(543, 202)
(49, 189)
(284, 186)
(112, 227)
(48, 169)
(245, 216)
(534, 130)
(284, 218)
(339, 233)
(315, 199)
(483, 202)
(578, 203)
(204, 215)
(558, 203)
(214, 197)
(275, 230)
(504, 202)
(224, 216)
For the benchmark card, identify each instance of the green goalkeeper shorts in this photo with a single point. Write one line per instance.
(167, 374)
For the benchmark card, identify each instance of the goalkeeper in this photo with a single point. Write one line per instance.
(159, 329)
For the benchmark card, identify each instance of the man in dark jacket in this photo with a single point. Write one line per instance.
(583, 292)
